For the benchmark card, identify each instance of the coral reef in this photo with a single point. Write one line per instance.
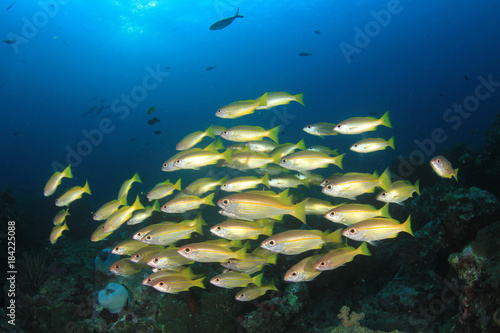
(349, 320)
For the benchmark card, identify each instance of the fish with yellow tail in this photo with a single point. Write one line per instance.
(197, 159)
(98, 235)
(168, 259)
(252, 292)
(251, 264)
(73, 194)
(244, 183)
(245, 133)
(399, 192)
(298, 241)
(375, 229)
(127, 247)
(203, 185)
(304, 270)
(288, 148)
(163, 189)
(127, 185)
(55, 180)
(168, 166)
(358, 125)
(209, 252)
(371, 145)
(340, 256)
(241, 108)
(121, 216)
(353, 184)
(174, 284)
(348, 214)
(109, 208)
(143, 255)
(152, 278)
(234, 280)
(61, 216)
(442, 167)
(186, 203)
(169, 233)
(141, 215)
(320, 129)
(276, 98)
(190, 140)
(238, 230)
(309, 160)
(126, 268)
(254, 206)
(57, 232)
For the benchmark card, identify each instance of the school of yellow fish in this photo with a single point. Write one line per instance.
(251, 213)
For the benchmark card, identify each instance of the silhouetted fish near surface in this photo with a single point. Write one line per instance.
(305, 54)
(151, 110)
(12, 4)
(157, 132)
(224, 22)
(466, 77)
(317, 32)
(209, 68)
(153, 121)
(8, 41)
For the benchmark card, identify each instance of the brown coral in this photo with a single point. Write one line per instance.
(350, 320)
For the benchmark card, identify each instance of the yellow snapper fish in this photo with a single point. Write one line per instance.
(249, 160)
(304, 270)
(121, 216)
(353, 213)
(186, 203)
(147, 229)
(320, 129)
(261, 146)
(174, 284)
(127, 247)
(244, 183)
(376, 229)
(150, 279)
(245, 133)
(353, 184)
(127, 185)
(276, 98)
(218, 129)
(126, 268)
(61, 216)
(98, 235)
(73, 194)
(330, 179)
(297, 241)
(318, 207)
(161, 190)
(168, 259)
(172, 232)
(372, 144)
(190, 140)
(283, 196)
(234, 280)
(399, 192)
(208, 252)
(241, 108)
(57, 232)
(55, 180)
(310, 178)
(197, 159)
(168, 166)
(238, 146)
(271, 170)
(256, 206)
(324, 150)
(309, 160)
(341, 256)
(109, 208)
(141, 215)
(442, 167)
(203, 185)
(359, 125)
(288, 148)
(143, 255)
(287, 181)
(237, 229)
(251, 264)
(252, 292)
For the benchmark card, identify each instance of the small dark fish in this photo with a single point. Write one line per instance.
(157, 132)
(317, 32)
(224, 22)
(12, 4)
(305, 54)
(151, 109)
(153, 121)
(133, 139)
(466, 77)
(8, 41)
(99, 109)
(92, 109)
(471, 132)
(441, 94)
(168, 67)
(209, 68)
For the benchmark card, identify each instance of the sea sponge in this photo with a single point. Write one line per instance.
(104, 260)
(114, 297)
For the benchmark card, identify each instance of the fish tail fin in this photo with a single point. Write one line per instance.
(417, 186)
(300, 98)
(210, 131)
(455, 174)
(136, 178)
(257, 280)
(363, 249)
(407, 226)
(385, 180)
(301, 145)
(235, 243)
(137, 203)
(177, 185)
(276, 158)
(391, 143)
(305, 182)
(284, 196)
(67, 172)
(265, 180)
(268, 230)
(271, 260)
(237, 15)
(247, 245)
(262, 101)
(156, 206)
(384, 211)
(209, 199)
(271, 285)
(86, 188)
(273, 133)
(334, 237)
(123, 200)
(228, 156)
(299, 211)
(385, 120)
(337, 160)
(199, 222)
(199, 283)
(222, 180)
(187, 273)
(241, 254)
(218, 145)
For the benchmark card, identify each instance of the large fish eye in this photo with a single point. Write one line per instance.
(322, 264)
(224, 185)
(309, 126)
(187, 250)
(177, 146)
(332, 214)
(218, 228)
(352, 231)
(161, 284)
(117, 266)
(139, 234)
(219, 111)
(293, 273)
(149, 237)
(225, 132)
(155, 260)
(241, 295)
(178, 161)
(165, 164)
(339, 126)
(225, 202)
(355, 146)
(283, 160)
(149, 280)
(272, 243)
(136, 256)
(383, 194)
(217, 280)
(329, 187)
(438, 160)
(229, 262)
(117, 249)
